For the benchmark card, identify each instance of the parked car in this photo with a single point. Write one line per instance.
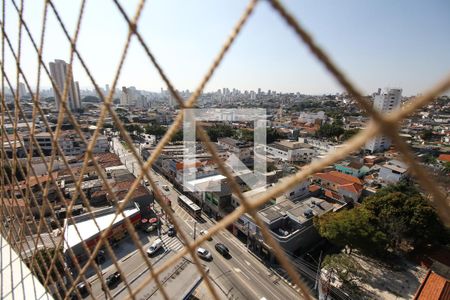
(172, 231)
(113, 280)
(82, 288)
(205, 232)
(204, 254)
(222, 249)
(156, 245)
(100, 258)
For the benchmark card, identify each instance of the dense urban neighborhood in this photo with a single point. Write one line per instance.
(363, 213)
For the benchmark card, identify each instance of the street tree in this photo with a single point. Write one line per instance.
(395, 216)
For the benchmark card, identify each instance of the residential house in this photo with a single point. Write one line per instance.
(243, 150)
(354, 168)
(291, 151)
(392, 171)
(290, 224)
(339, 186)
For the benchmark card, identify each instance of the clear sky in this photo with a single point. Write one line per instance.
(379, 43)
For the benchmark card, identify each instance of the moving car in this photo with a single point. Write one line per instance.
(113, 280)
(222, 249)
(156, 245)
(204, 254)
(172, 231)
(166, 188)
(205, 232)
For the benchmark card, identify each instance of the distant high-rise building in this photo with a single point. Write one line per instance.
(107, 89)
(172, 100)
(124, 96)
(22, 90)
(384, 103)
(59, 72)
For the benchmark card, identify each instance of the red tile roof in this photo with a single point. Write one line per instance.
(338, 177)
(106, 160)
(31, 181)
(434, 287)
(313, 188)
(121, 190)
(444, 157)
(12, 202)
(332, 195)
(351, 187)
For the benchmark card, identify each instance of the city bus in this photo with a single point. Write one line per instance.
(189, 206)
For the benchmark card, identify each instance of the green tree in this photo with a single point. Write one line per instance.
(349, 133)
(156, 130)
(394, 215)
(344, 266)
(446, 168)
(353, 229)
(427, 134)
(244, 135)
(91, 99)
(333, 130)
(42, 263)
(178, 136)
(219, 131)
(272, 135)
(429, 159)
(134, 128)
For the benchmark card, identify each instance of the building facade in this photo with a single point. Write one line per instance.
(59, 72)
(384, 103)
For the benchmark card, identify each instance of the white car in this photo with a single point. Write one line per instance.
(166, 188)
(156, 245)
(203, 253)
(205, 232)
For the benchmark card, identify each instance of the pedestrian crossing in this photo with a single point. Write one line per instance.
(172, 243)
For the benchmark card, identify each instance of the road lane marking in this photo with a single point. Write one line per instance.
(262, 284)
(241, 272)
(251, 266)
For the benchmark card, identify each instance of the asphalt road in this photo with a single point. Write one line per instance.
(240, 277)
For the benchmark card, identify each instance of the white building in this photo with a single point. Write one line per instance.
(242, 150)
(392, 171)
(299, 191)
(384, 103)
(130, 96)
(59, 71)
(311, 117)
(124, 97)
(22, 90)
(291, 151)
(70, 143)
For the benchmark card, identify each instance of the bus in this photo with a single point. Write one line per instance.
(189, 206)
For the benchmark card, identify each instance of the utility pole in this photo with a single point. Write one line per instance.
(195, 228)
(248, 234)
(316, 285)
(328, 283)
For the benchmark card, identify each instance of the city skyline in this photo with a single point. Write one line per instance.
(377, 44)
